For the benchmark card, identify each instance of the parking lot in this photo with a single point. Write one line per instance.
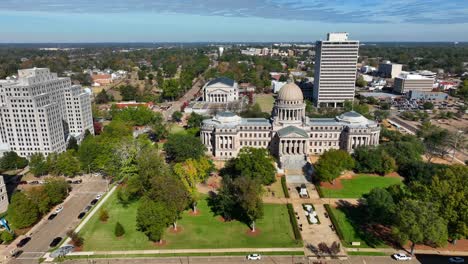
(46, 230)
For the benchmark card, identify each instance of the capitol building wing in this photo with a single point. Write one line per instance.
(289, 135)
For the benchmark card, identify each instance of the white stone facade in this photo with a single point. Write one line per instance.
(221, 90)
(39, 111)
(289, 134)
(3, 196)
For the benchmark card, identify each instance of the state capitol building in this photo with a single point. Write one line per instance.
(289, 135)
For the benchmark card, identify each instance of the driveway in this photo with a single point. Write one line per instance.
(46, 230)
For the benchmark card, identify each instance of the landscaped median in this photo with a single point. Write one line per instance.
(201, 231)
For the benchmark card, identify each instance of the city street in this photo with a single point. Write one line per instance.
(47, 230)
(187, 97)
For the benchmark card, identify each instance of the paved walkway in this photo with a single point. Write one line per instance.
(183, 251)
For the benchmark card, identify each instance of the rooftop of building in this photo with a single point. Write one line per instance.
(222, 80)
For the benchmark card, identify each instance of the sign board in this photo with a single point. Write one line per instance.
(355, 243)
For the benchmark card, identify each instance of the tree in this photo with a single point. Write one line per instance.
(381, 114)
(67, 164)
(380, 206)
(177, 116)
(56, 189)
(332, 163)
(22, 212)
(103, 215)
(254, 163)
(240, 199)
(373, 160)
(76, 238)
(194, 120)
(102, 97)
(360, 82)
(418, 222)
(172, 192)
(283, 78)
(159, 127)
(38, 165)
(180, 147)
(119, 229)
(153, 218)
(436, 142)
(428, 106)
(41, 198)
(72, 144)
(192, 172)
(128, 92)
(11, 161)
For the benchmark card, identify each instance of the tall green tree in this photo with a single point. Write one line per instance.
(56, 189)
(331, 164)
(72, 144)
(153, 218)
(419, 223)
(180, 147)
(22, 211)
(380, 206)
(11, 161)
(38, 165)
(254, 163)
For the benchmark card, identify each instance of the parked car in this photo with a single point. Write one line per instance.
(401, 257)
(254, 257)
(81, 215)
(55, 242)
(52, 216)
(16, 253)
(456, 260)
(99, 196)
(59, 209)
(23, 182)
(77, 181)
(34, 182)
(23, 242)
(93, 202)
(87, 208)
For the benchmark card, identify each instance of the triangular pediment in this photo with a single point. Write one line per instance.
(292, 132)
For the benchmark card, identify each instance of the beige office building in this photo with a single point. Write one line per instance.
(406, 82)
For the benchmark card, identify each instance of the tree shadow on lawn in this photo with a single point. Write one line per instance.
(374, 235)
(227, 209)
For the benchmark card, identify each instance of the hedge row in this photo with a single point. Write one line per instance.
(292, 218)
(339, 232)
(285, 187)
(319, 190)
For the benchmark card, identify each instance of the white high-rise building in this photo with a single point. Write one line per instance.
(335, 70)
(39, 112)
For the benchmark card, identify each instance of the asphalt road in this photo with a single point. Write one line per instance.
(80, 196)
(187, 97)
(419, 259)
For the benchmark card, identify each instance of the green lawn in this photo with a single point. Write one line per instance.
(265, 101)
(360, 185)
(348, 220)
(176, 129)
(202, 231)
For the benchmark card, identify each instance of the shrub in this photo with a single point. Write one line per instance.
(103, 215)
(339, 232)
(119, 230)
(285, 187)
(7, 237)
(76, 239)
(292, 218)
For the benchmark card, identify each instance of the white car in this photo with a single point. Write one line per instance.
(254, 257)
(456, 260)
(99, 196)
(59, 209)
(401, 256)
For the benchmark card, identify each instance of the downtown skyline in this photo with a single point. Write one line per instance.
(40, 21)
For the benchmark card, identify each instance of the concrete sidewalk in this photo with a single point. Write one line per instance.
(183, 251)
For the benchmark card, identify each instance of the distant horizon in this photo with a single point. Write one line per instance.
(142, 21)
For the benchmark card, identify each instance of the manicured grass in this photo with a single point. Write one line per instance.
(350, 230)
(274, 188)
(366, 253)
(176, 129)
(202, 231)
(265, 101)
(360, 185)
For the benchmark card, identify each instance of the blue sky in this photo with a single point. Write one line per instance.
(231, 20)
